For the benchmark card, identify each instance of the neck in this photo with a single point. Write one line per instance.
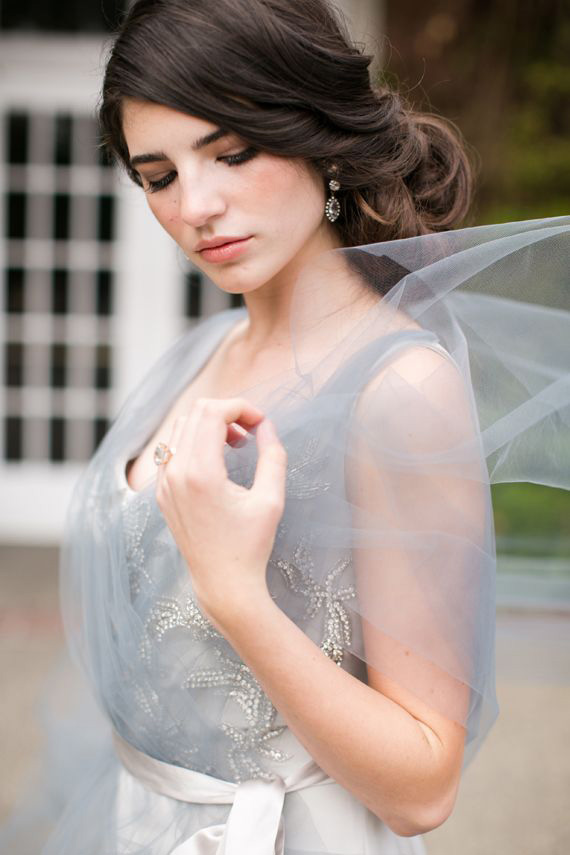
(269, 306)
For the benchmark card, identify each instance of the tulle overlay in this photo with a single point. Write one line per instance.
(421, 371)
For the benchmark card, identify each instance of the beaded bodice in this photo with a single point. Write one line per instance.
(177, 690)
(226, 725)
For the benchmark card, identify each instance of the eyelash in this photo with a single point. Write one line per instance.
(230, 159)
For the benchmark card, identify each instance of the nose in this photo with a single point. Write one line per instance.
(200, 201)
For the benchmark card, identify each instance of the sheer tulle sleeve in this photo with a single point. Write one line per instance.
(423, 543)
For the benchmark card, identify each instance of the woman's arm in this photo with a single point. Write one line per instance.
(403, 764)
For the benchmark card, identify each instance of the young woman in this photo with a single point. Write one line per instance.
(279, 568)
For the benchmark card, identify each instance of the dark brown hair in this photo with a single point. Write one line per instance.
(285, 76)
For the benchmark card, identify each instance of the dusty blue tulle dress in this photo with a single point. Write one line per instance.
(421, 371)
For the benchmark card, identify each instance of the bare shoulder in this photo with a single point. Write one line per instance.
(419, 401)
(419, 366)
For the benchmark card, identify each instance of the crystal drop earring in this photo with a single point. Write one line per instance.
(332, 208)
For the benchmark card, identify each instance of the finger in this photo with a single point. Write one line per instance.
(180, 442)
(199, 437)
(214, 418)
(239, 428)
(241, 411)
(239, 414)
(173, 443)
(236, 435)
(200, 442)
(271, 470)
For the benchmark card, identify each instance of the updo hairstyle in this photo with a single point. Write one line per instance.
(285, 76)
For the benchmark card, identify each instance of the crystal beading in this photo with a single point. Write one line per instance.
(332, 209)
(299, 575)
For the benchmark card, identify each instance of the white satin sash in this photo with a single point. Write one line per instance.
(255, 821)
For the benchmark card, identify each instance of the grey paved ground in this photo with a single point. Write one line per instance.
(514, 799)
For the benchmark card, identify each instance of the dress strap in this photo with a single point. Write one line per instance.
(255, 821)
(364, 361)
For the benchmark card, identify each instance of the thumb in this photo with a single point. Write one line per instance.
(271, 467)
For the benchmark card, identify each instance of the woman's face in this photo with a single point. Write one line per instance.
(201, 190)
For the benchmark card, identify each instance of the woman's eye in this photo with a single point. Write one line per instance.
(230, 159)
(153, 186)
(240, 156)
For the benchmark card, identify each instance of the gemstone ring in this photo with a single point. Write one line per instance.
(162, 453)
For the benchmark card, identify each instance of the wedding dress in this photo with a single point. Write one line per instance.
(421, 371)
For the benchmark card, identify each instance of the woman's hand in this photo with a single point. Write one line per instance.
(224, 531)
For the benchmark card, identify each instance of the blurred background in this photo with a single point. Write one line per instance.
(92, 292)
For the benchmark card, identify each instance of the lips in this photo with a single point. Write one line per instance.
(224, 249)
(216, 242)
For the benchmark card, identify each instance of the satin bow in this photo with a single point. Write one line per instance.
(255, 821)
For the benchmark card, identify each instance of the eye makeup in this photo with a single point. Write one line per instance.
(230, 159)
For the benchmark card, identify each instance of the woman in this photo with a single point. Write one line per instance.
(279, 568)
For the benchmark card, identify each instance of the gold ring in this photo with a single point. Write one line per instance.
(162, 453)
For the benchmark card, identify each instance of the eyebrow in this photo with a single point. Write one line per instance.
(201, 142)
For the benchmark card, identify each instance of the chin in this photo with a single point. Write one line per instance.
(240, 280)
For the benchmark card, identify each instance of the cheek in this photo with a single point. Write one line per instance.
(288, 194)
(164, 210)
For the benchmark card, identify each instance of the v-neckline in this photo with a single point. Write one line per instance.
(224, 335)
(133, 453)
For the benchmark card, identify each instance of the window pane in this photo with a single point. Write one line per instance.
(17, 132)
(14, 365)
(61, 216)
(57, 439)
(104, 299)
(14, 290)
(60, 287)
(58, 365)
(16, 215)
(13, 438)
(102, 379)
(62, 140)
(105, 224)
(193, 307)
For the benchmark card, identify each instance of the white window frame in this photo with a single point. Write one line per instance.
(63, 74)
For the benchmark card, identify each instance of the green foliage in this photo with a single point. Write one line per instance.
(530, 172)
(500, 72)
(532, 519)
